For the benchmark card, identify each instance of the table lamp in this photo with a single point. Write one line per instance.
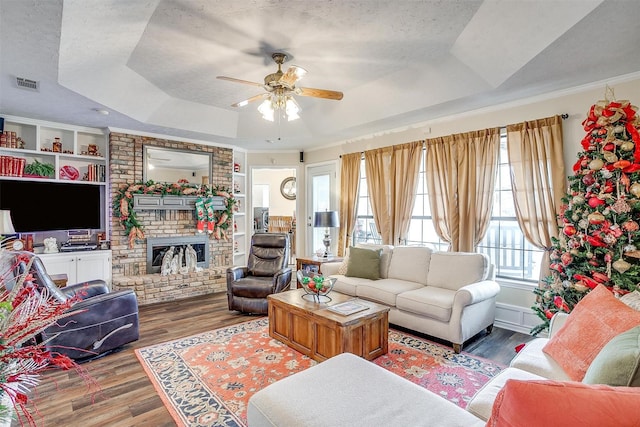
(6, 225)
(327, 219)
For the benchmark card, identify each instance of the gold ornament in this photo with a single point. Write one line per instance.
(621, 265)
(595, 218)
(635, 189)
(596, 164)
(627, 146)
(610, 157)
(580, 287)
(578, 200)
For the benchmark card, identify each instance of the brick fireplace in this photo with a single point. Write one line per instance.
(130, 264)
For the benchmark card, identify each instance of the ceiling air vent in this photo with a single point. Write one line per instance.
(26, 83)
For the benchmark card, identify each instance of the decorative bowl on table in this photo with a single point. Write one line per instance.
(316, 287)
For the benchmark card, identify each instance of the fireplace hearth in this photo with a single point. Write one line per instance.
(158, 246)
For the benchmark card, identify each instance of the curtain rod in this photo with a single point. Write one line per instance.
(564, 116)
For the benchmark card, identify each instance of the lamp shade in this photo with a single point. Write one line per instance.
(6, 225)
(326, 219)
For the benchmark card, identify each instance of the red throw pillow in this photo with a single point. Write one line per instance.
(567, 404)
(594, 321)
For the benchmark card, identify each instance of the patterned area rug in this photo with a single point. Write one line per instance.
(207, 379)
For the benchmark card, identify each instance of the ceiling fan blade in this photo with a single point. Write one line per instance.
(292, 75)
(246, 82)
(319, 93)
(248, 100)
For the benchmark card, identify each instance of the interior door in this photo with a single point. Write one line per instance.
(321, 196)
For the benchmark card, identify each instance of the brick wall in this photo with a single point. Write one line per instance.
(129, 264)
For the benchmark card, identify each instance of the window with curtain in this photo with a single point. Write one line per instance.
(366, 231)
(513, 256)
(504, 243)
(421, 230)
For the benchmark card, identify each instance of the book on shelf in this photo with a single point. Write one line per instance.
(348, 307)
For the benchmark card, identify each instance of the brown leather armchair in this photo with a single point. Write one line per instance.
(266, 273)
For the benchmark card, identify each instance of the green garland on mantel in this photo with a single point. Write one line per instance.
(123, 203)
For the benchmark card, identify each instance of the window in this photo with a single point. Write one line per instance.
(366, 231)
(513, 256)
(504, 243)
(421, 230)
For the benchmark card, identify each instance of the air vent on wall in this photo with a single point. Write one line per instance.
(26, 83)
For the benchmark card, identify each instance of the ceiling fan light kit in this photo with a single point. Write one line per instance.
(280, 87)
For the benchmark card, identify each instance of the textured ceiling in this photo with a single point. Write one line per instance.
(153, 63)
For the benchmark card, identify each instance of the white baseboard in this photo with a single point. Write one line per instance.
(515, 318)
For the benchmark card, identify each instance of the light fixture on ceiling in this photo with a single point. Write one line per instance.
(101, 111)
(279, 102)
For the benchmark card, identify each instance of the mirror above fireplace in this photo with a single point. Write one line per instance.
(169, 165)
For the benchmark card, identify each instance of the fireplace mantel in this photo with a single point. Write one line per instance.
(171, 202)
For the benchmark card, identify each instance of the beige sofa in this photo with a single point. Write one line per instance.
(349, 390)
(448, 295)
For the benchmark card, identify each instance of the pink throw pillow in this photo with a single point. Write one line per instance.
(547, 403)
(594, 321)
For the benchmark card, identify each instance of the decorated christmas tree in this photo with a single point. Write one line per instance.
(599, 237)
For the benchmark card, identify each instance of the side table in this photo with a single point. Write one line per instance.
(314, 263)
(59, 279)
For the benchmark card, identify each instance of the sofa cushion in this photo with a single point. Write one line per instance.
(385, 291)
(453, 270)
(569, 404)
(410, 263)
(532, 359)
(364, 263)
(348, 285)
(593, 322)
(428, 301)
(385, 256)
(618, 363)
(482, 402)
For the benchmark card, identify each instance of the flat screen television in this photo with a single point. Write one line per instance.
(48, 206)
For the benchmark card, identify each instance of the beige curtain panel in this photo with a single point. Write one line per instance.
(538, 179)
(349, 184)
(460, 177)
(405, 175)
(378, 166)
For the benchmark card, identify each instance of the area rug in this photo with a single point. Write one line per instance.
(207, 379)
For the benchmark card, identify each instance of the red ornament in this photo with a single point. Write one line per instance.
(588, 179)
(569, 230)
(594, 202)
(566, 258)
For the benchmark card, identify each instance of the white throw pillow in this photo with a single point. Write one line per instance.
(632, 299)
(345, 262)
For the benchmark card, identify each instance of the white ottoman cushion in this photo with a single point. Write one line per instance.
(347, 390)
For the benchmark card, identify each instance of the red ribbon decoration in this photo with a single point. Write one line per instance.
(636, 140)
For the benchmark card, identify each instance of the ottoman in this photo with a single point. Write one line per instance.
(347, 390)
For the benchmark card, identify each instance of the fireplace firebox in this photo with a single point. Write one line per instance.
(158, 246)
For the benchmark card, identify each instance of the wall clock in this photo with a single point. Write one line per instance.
(288, 188)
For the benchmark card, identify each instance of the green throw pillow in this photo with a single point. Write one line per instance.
(364, 263)
(618, 363)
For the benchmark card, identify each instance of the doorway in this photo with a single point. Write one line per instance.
(321, 196)
(274, 202)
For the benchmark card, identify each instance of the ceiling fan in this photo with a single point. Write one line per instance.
(280, 88)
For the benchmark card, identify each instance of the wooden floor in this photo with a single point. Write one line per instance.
(126, 396)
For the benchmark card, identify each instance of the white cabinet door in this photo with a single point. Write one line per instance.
(79, 266)
(92, 266)
(61, 264)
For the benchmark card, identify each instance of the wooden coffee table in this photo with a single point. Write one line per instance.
(319, 333)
